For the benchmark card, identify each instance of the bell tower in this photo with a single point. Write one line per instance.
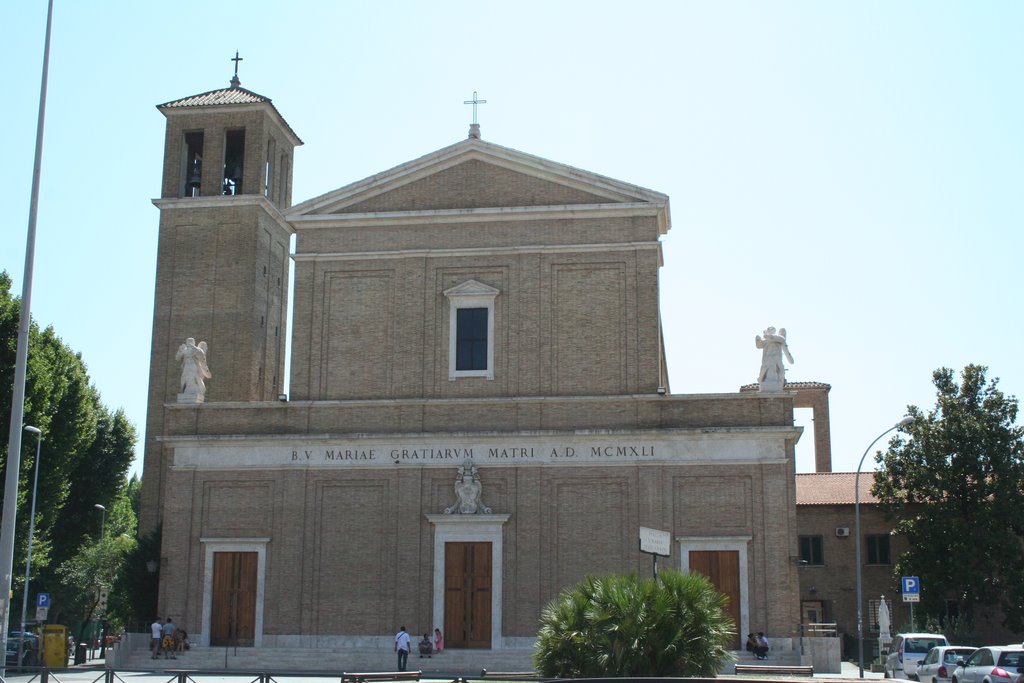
(222, 258)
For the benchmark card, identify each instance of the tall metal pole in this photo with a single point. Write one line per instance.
(103, 526)
(856, 519)
(31, 533)
(10, 508)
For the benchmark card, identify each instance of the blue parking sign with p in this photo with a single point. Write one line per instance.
(911, 584)
(42, 600)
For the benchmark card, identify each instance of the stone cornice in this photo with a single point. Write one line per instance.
(680, 398)
(480, 251)
(703, 433)
(222, 202)
(484, 215)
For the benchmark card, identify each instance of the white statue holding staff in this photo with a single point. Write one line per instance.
(194, 370)
(773, 373)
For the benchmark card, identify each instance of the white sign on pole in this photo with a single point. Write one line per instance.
(910, 586)
(655, 542)
(41, 613)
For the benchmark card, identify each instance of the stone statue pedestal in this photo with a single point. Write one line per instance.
(191, 398)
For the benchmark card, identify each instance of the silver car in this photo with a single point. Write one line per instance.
(993, 664)
(940, 664)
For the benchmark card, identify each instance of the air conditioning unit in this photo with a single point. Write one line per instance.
(842, 531)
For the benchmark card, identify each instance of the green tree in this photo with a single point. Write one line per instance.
(86, 452)
(624, 626)
(94, 567)
(133, 599)
(953, 486)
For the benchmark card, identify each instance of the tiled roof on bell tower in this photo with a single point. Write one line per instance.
(224, 96)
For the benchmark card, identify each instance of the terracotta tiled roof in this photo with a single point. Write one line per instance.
(216, 97)
(792, 386)
(226, 97)
(833, 488)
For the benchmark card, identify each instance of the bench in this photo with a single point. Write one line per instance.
(510, 675)
(774, 669)
(370, 677)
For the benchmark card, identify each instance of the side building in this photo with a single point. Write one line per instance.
(478, 412)
(826, 541)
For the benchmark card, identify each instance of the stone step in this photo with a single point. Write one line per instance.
(462, 662)
(310, 659)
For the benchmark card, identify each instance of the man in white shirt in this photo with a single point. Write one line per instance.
(156, 630)
(402, 648)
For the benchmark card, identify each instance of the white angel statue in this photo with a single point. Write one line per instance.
(194, 370)
(773, 375)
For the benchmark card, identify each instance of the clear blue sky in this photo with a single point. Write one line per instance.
(849, 171)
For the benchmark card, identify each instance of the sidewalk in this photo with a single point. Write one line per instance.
(851, 670)
(94, 669)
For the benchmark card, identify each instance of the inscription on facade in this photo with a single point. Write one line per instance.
(495, 453)
(492, 453)
(453, 450)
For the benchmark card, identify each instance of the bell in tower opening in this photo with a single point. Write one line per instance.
(193, 164)
(234, 155)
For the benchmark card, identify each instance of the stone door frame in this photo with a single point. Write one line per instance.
(735, 543)
(233, 545)
(470, 529)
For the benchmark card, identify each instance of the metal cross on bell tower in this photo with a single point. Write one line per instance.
(234, 79)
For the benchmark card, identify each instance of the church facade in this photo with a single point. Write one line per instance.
(478, 413)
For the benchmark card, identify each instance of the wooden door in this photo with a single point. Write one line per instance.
(811, 612)
(233, 617)
(723, 568)
(467, 595)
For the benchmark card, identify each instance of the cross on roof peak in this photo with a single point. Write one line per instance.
(234, 79)
(474, 128)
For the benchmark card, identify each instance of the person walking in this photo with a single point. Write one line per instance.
(402, 647)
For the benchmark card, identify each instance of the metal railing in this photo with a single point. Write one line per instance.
(829, 630)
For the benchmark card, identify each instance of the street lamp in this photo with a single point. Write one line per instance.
(103, 524)
(856, 517)
(31, 532)
(103, 519)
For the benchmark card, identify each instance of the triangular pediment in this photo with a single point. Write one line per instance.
(471, 288)
(474, 174)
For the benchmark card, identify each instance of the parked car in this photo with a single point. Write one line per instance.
(940, 664)
(29, 652)
(908, 649)
(993, 664)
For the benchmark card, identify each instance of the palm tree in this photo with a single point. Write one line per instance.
(623, 626)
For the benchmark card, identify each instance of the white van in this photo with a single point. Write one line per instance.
(907, 651)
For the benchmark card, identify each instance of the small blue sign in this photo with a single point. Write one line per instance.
(42, 599)
(910, 584)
